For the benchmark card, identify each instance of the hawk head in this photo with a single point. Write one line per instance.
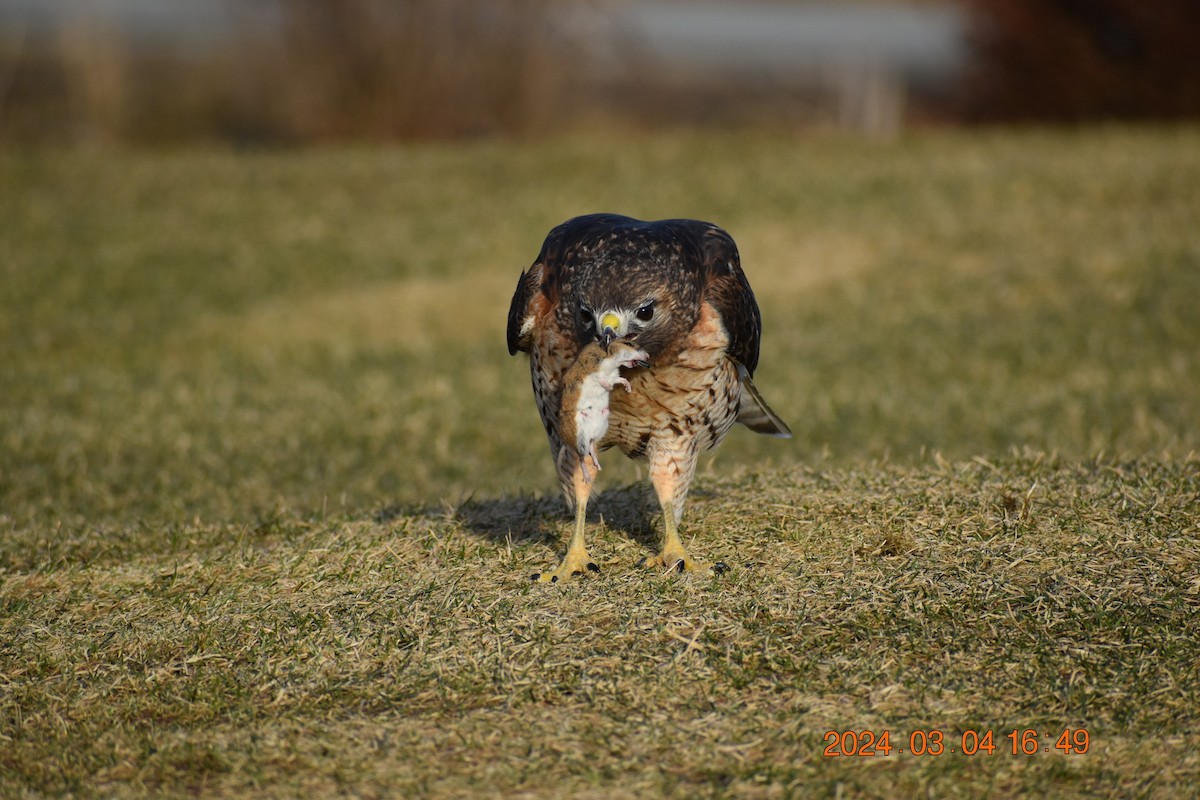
(604, 277)
(634, 288)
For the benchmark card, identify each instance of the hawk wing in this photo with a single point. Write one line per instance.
(727, 290)
(718, 268)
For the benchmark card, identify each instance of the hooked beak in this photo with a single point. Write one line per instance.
(610, 322)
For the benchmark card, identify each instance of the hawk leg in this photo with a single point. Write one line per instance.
(674, 555)
(576, 561)
(671, 478)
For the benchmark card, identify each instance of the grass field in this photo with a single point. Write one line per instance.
(271, 487)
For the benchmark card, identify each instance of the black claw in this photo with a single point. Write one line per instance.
(720, 568)
(642, 561)
(576, 572)
(592, 567)
(535, 576)
(680, 567)
(554, 579)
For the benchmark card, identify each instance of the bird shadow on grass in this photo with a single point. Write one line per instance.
(545, 518)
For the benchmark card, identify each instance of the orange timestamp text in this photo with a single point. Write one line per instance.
(1017, 742)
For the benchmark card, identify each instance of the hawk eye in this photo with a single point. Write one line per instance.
(586, 317)
(645, 312)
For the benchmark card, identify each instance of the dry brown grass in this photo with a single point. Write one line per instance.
(409, 654)
(271, 487)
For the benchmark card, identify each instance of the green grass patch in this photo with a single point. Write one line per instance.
(271, 487)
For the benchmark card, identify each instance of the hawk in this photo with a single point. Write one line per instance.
(674, 289)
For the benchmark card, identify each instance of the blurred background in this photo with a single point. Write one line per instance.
(257, 255)
(282, 72)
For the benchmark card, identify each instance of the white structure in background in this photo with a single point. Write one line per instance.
(867, 56)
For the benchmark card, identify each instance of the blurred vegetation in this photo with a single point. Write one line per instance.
(359, 69)
(427, 69)
(1079, 60)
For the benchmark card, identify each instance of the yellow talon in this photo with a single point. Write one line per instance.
(673, 560)
(574, 563)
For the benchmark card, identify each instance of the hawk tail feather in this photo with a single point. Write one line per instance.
(755, 414)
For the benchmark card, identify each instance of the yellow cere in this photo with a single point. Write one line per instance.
(610, 320)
